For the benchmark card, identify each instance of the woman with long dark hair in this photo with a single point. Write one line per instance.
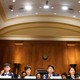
(72, 73)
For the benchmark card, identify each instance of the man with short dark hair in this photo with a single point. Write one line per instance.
(28, 70)
(50, 72)
(6, 71)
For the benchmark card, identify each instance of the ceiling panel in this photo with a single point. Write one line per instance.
(18, 7)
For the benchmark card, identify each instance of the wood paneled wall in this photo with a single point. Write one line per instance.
(60, 54)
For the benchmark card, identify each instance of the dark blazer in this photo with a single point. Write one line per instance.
(69, 77)
(46, 75)
(25, 75)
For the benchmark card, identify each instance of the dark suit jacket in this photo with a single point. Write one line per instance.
(46, 75)
(25, 75)
(69, 77)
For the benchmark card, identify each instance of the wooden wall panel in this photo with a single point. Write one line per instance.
(60, 54)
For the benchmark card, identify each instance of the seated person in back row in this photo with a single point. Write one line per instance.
(6, 71)
(27, 71)
(64, 75)
(72, 73)
(38, 76)
(50, 72)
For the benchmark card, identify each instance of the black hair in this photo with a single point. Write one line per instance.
(50, 66)
(27, 67)
(64, 74)
(70, 69)
(73, 68)
(23, 72)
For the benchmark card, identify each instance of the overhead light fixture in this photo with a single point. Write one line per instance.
(54, 13)
(36, 13)
(40, 7)
(13, 0)
(46, 6)
(64, 8)
(79, 11)
(78, 1)
(12, 10)
(52, 7)
(11, 7)
(28, 7)
(74, 16)
(17, 15)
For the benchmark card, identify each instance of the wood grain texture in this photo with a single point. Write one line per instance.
(60, 54)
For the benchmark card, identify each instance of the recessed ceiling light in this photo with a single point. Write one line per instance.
(28, 7)
(74, 16)
(64, 8)
(36, 13)
(52, 7)
(40, 7)
(78, 1)
(46, 6)
(54, 13)
(17, 15)
(12, 10)
(14, 0)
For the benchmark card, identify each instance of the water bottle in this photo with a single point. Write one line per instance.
(44, 77)
(19, 76)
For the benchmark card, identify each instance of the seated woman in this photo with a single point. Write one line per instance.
(6, 71)
(72, 73)
(50, 72)
(64, 75)
(38, 76)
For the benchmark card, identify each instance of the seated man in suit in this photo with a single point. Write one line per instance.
(50, 72)
(28, 70)
(6, 71)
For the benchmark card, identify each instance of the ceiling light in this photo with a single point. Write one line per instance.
(74, 16)
(36, 13)
(64, 8)
(52, 7)
(14, 0)
(12, 10)
(79, 11)
(78, 1)
(28, 7)
(54, 13)
(17, 15)
(11, 7)
(40, 7)
(46, 6)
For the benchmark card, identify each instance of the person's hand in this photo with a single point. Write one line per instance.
(2, 72)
